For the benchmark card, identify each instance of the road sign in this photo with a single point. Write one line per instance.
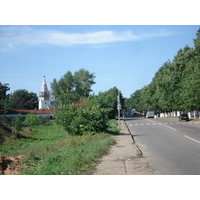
(119, 106)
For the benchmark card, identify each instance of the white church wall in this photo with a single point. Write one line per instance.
(44, 104)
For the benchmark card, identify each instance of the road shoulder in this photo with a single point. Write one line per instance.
(123, 158)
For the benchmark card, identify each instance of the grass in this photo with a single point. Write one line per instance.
(48, 150)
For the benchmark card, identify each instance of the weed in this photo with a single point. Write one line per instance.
(139, 154)
(50, 150)
(147, 165)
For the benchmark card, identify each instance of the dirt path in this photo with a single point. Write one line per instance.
(124, 158)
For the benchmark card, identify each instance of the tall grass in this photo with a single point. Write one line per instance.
(49, 151)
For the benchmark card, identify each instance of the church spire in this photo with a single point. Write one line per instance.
(44, 93)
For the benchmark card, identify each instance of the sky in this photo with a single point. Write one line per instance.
(125, 56)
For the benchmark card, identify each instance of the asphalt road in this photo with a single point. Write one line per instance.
(171, 147)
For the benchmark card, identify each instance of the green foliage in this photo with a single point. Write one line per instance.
(175, 85)
(64, 85)
(50, 151)
(17, 123)
(3, 89)
(72, 87)
(74, 157)
(108, 99)
(83, 81)
(22, 99)
(82, 117)
(5, 129)
(4, 98)
(31, 120)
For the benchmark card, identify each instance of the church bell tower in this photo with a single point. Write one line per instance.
(44, 96)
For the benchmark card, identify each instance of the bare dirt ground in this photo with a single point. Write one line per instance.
(124, 158)
(10, 165)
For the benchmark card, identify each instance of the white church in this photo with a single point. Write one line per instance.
(46, 101)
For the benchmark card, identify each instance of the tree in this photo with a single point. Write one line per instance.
(83, 80)
(175, 85)
(108, 99)
(3, 96)
(72, 87)
(64, 85)
(197, 42)
(22, 99)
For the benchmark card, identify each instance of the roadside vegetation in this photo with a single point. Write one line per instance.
(70, 144)
(175, 86)
(47, 149)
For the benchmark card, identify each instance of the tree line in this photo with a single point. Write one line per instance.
(19, 99)
(78, 110)
(175, 86)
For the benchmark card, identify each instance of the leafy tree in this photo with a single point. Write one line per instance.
(108, 99)
(128, 105)
(175, 85)
(22, 99)
(72, 87)
(3, 96)
(83, 80)
(197, 42)
(64, 85)
(65, 98)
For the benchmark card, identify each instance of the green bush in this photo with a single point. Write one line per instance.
(83, 117)
(17, 123)
(31, 120)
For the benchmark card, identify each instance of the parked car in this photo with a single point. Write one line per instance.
(183, 117)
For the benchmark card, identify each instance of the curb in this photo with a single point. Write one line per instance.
(138, 149)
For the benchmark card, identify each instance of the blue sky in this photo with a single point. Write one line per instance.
(123, 56)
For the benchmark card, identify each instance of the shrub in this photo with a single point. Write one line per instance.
(17, 123)
(83, 117)
(31, 120)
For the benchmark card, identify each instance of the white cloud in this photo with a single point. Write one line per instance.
(16, 36)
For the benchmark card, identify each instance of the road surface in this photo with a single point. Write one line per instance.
(172, 147)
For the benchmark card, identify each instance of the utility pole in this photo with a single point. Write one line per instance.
(118, 108)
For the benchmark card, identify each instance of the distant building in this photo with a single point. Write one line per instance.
(44, 96)
(48, 113)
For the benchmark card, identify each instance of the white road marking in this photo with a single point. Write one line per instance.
(167, 126)
(192, 139)
(150, 120)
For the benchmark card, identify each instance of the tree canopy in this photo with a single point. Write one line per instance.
(175, 86)
(22, 99)
(4, 88)
(71, 87)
